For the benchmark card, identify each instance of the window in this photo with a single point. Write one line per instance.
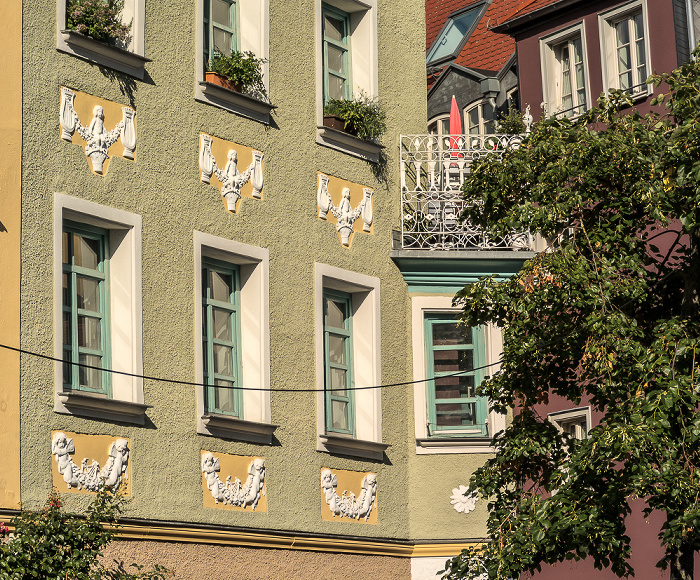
(336, 54)
(97, 310)
(454, 34)
(574, 422)
(692, 8)
(337, 352)
(449, 417)
(348, 355)
(219, 28)
(625, 48)
(479, 119)
(221, 336)
(130, 61)
(228, 25)
(453, 407)
(232, 339)
(85, 309)
(564, 72)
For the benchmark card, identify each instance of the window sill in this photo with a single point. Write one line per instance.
(352, 447)
(342, 141)
(436, 445)
(228, 427)
(103, 54)
(103, 408)
(239, 103)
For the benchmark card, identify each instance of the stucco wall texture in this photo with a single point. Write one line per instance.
(163, 186)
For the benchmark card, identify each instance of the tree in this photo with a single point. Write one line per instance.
(52, 545)
(610, 313)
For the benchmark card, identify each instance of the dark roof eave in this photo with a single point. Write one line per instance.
(513, 24)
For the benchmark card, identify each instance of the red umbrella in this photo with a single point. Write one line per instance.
(455, 125)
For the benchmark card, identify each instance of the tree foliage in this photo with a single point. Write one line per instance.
(610, 315)
(49, 544)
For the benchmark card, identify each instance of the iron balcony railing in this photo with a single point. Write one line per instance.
(433, 169)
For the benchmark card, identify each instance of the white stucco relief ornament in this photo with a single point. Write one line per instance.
(98, 139)
(344, 212)
(91, 477)
(347, 505)
(231, 179)
(234, 493)
(461, 502)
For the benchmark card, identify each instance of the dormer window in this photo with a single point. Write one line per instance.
(454, 34)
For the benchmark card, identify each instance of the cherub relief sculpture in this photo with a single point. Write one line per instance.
(91, 477)
(232, 180)
(346, 505)
(235, 494)
(344, 212)
(98, 139)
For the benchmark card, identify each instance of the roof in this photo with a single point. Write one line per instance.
(484, 50)
(527, 10)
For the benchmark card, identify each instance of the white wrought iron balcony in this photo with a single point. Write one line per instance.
(433, 169)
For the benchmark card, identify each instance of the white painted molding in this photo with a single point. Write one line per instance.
(97, 137)
(231, 179)
(461, 502)
(91, 477)
(234, 493)
(343, 212)
(346, 505)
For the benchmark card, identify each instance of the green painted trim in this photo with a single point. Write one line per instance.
(344, 46)
(346, 334)
(209, 27)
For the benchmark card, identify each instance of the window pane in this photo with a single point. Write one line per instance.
(223, 41)
(90, 378)
(335, 59)
(223, 360)
(88, 293)
(67, 368)
(334, 28)
(456, 414)
(336, 87)
(335, 313)
(66, 291)
(336, 349)
(448, 333)
(453, 360)
(339, 381)
(622, 33)
(339, 415)
(224, 398)
(454, 387)
(67, 328)
(86, 252)
(65, 248)
(638, 27)
(221, 11)
(222, 324)
(641, 63)
(89, 332)
(220, 286)
(623, 58)
(473, 120)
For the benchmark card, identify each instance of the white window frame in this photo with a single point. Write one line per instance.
(551, 67)
(254, 36)
(364, 293)
(130, 61)
(479, 105)
(692, 40)
(608, 45)
(364, 74)
(420, 307)
(561, 418)
(125, 311)
(254, 267)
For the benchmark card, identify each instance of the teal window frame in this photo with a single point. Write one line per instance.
(209, 341)
(344, 332)
(343, 46)
(72, 314)
(480, 427)
(210, 25)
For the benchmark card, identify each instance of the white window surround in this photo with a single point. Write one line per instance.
(254, 36)
(420, 306)
(127, 402)
(254, 267)
(563, 418)
(551, 69)
(130, 61)
(364, 74)
(364, 291)
(606, 22)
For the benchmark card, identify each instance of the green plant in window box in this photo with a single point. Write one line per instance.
(240, 72)
(362, 116)
(99, 19)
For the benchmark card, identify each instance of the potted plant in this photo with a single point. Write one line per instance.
(100, 20)
(240, 72)
(363, 117)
